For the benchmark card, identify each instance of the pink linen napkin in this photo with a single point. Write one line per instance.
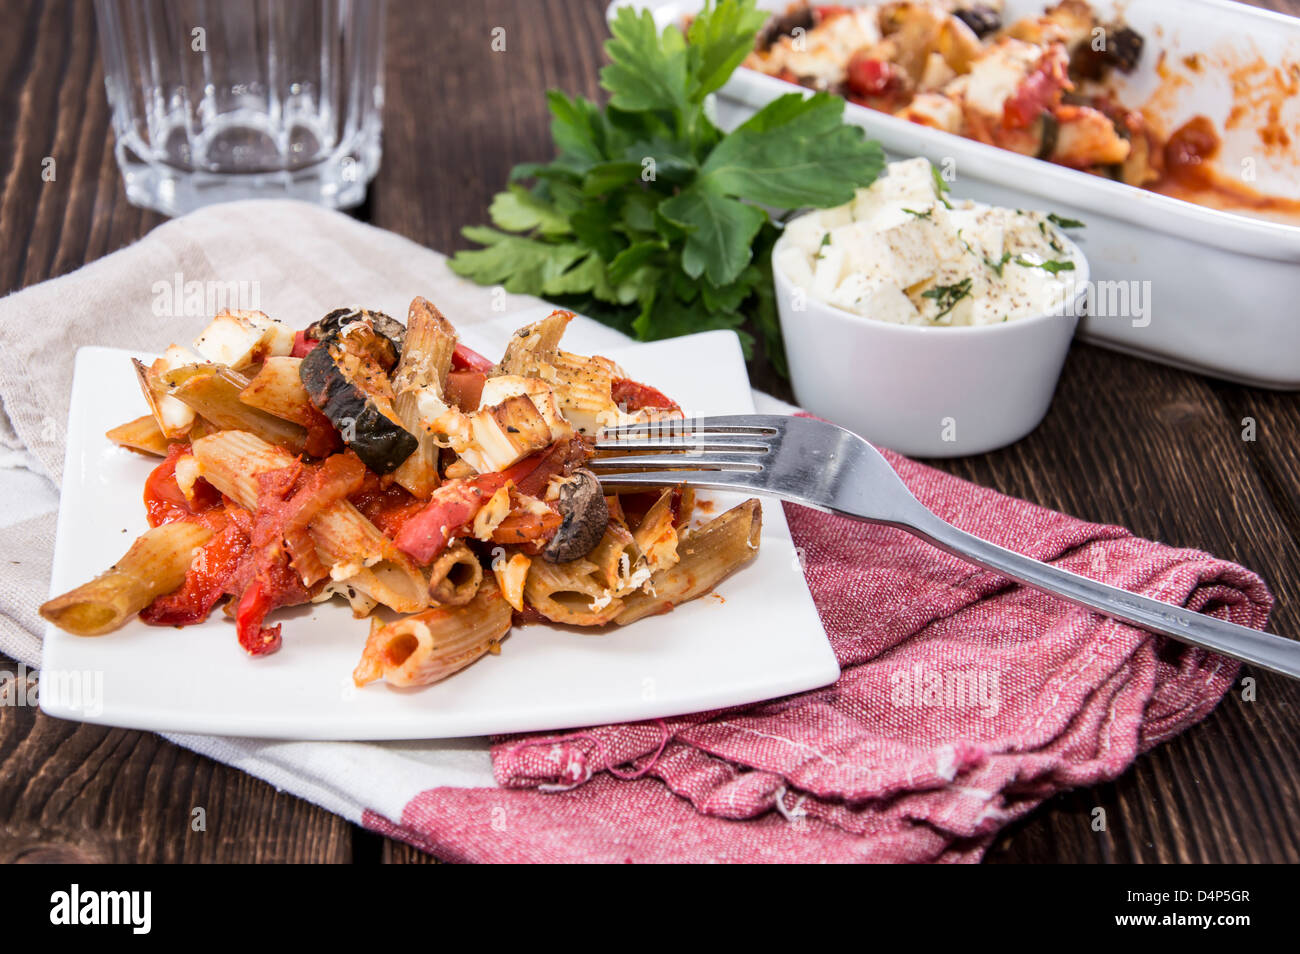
(964, 702)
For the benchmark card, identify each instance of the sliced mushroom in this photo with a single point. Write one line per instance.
(586, 514)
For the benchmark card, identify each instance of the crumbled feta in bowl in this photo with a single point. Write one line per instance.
(903, 251)
(933, 325)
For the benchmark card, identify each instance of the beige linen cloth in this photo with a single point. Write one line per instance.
(304, 261)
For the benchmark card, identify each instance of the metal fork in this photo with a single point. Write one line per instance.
(825, 467)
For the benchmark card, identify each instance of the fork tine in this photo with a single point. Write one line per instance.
(702, 479)
(736, 443)
(683, 461)
(677, 427)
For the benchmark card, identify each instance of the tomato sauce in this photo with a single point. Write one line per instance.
(1190, 173)
(388, 508)
(165, 502)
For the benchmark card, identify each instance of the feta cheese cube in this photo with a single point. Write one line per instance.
(828, 268)
(793, 263)
(805, 233)
(913, 254)
(239, 339)
(876, 299)
(995, 76)
(840, 215)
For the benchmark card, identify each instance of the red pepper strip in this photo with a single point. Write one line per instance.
(254, 603)
(527, 527)
(164, 502)
(287, 501)
(450, 510)
(465, 389)
(322, 437)
(302, 345)
(868, 76)
(633, 396)
(1040, 90)
(532, 474)
(467, 359)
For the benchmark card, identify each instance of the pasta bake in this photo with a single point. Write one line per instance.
(1036, 85)
(440, 494)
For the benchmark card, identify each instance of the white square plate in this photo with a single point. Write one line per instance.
(761, 639)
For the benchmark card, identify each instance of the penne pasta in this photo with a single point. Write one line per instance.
(155, 565)
(278, 390)
(174, 417)
(570, 593)
(511, 575)
(362, 605)
(421, 374)
(534, 345)
(617, 559)
(214, 392)
(707, 556)
(583, 387)
(142, 434)
(685, 507)
(432, 645)
(656, 534)
(455, 576)
(353, 548)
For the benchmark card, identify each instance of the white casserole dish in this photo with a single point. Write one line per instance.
(1223, 288)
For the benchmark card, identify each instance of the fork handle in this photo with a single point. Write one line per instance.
(1265, 650)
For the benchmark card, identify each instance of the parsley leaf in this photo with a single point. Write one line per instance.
(1051, 265)
(720, 232)
(522, 265)
(647, 71)
(718, 44)
(795, 151)
(941, 187)
(947, 296)
(999, 264)
(1062, 222)
(518, 210)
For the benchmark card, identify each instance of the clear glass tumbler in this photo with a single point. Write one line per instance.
(214, 100)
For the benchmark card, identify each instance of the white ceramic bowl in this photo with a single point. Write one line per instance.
(926, 391)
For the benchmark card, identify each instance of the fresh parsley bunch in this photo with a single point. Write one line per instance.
(650, 218)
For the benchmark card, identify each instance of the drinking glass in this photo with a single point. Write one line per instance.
(214, 100)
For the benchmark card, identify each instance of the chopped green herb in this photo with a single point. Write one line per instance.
(998, 265)
(940, 186)
(1062, 222)
(826, 240)
(928, 213)
(1050, 265)
(947, 296)
(1052, 240)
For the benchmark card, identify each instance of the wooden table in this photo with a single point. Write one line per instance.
(1126, 441)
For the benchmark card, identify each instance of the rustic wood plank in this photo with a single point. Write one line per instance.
(77, 792)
